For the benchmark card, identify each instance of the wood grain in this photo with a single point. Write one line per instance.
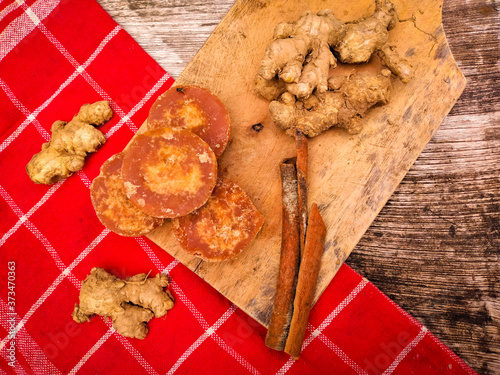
(434, 248)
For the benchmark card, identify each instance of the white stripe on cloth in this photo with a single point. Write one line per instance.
(139, 105)
(138, 356)
(23, 25)
(117, 109)
(34, 355)
(340, 353)
(86, 181)
(24, 217)
(92, 350)
(242, 361)
(343, 304)
(34, 230)
(405, 351)
(30, 117)
(452, 355)
(18, 369)
(326, 322)
(9, 8)
(208, 332)
(192, 308)
(201, 320)
(447, 350)
(152, 256)
(66, 272)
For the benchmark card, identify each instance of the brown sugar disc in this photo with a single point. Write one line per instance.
(195, 109)
(112, 206)
(223, 227)
(168, 172)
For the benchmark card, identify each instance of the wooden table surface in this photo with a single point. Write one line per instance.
(435, 247)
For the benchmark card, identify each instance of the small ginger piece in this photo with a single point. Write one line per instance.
(396, 64)
(363, 38)
(315, 73)
(130, 303)
(295, 43)
(69, 145)
(343, 108)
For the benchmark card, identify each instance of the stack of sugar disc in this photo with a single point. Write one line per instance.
(170, 172)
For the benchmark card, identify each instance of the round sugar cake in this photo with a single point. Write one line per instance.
(223, 227)
(112, 206)
(168, 172)
(195, 109)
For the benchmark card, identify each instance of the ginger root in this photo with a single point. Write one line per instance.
(130, 303)
(343, 107)
(300, 56)
(295, 71)
(306, 41)
(66, 151)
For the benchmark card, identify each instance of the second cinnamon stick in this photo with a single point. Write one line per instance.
(307, 280)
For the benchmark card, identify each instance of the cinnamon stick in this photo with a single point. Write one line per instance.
(301, 145)
(306, 283)
(289, 261)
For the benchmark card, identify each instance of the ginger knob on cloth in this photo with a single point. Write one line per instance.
(66, 151)
(130, 303)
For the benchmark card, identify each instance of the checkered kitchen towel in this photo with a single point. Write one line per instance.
(54, 56)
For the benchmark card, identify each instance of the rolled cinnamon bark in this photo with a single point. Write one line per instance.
(301, 144)
(306, 284)
(289, 261)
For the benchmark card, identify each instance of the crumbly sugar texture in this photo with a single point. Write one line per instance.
(70, 144)
(168, 173)
(223, 227)
(195, 109)
(130, 303)
(113, 208)
(295, 73)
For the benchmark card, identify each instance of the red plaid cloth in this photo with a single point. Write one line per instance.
(54, 56)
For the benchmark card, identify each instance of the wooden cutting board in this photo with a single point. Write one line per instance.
(351, 177)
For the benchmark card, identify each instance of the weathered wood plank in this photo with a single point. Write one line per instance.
(434, 248)
(170, 31)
